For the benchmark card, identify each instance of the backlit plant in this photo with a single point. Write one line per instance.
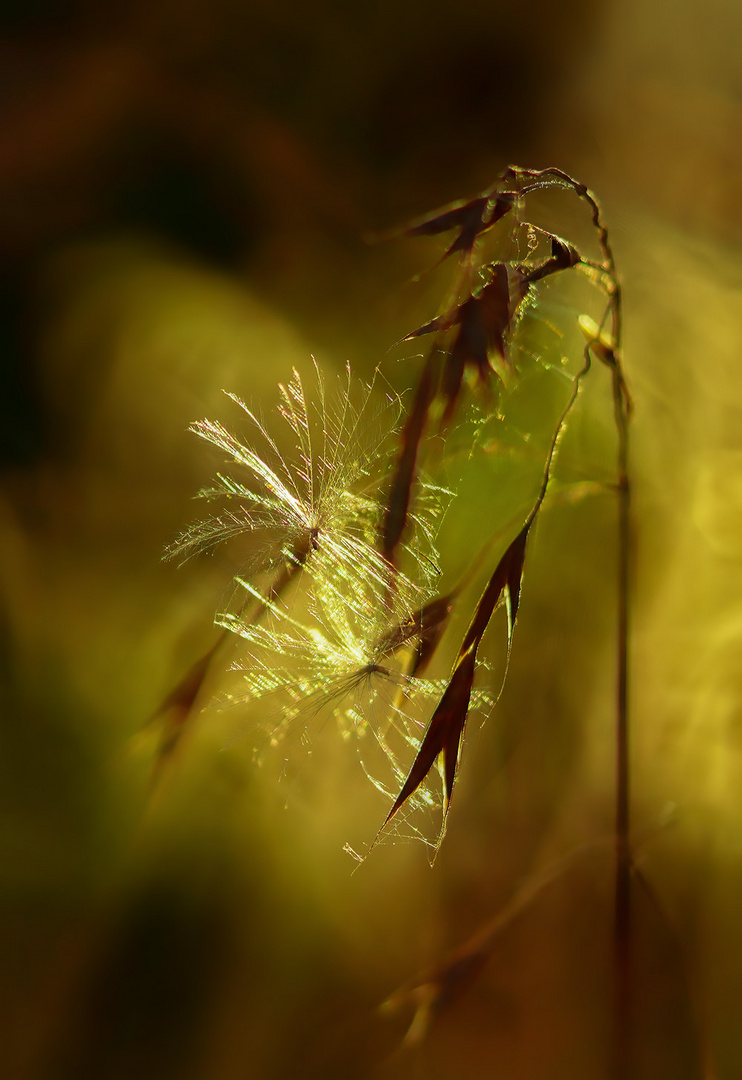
(340, 609)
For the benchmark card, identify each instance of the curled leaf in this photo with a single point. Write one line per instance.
(481, 322)
(563, 257)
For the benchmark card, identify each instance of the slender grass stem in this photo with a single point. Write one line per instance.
(622, 932)
(186, 700)
(622, 926)
(470, 355)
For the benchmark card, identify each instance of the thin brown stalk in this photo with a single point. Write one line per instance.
(184, 702)
(446, 727)
(609, 352)
(622, 910)
(436, 989)
(697, 1008)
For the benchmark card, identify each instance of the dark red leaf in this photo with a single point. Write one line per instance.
(466, 216)
(433, 623)
(398, 503)
(424, 625)
(442, 322)
(452, 380)
(563, 256)
(447, 723)
(482, 322)
(471, 218)
(564, 253)
(181, 699)
(443, 735)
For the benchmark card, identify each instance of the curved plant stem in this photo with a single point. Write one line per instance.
(607, 347)
(186, 700)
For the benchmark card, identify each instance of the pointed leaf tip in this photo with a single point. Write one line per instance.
(443, 736)
(471, 218)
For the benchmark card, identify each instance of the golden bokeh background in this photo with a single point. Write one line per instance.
(184, 195)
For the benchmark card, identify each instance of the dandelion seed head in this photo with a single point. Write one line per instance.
(334, 654)
(321, 666)
(311, 492)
